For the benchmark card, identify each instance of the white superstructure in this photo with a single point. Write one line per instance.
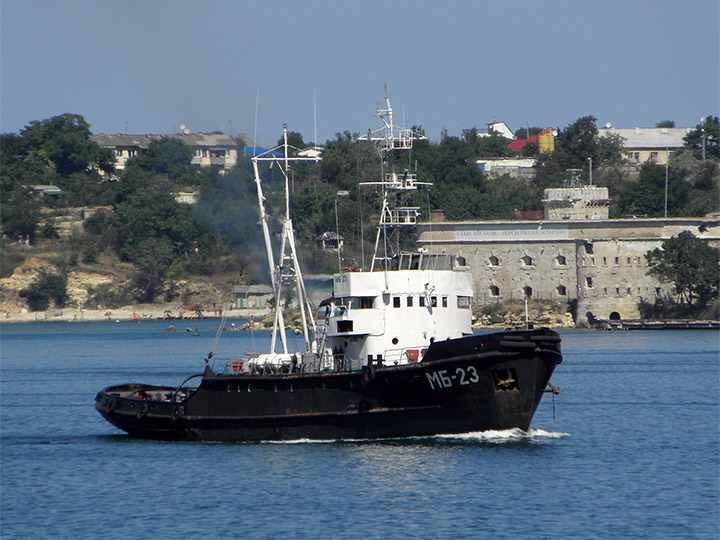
(391, 316)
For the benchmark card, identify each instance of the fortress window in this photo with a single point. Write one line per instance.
(527, 260)
(527, 291)
(605, 261)
(588, 248)
(589, 281)
(561, 290)
(494, 290)
(561, 260)
(494, 261)
(658, 290)
(409, 301)
(617, 261)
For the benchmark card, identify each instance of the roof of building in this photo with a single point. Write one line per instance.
(648, 137)
(121, 140)
(517, 144)
(196, 140)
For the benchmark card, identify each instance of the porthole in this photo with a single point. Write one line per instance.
(239, 388)
(395, 341)
(229, 389)
(249, 389)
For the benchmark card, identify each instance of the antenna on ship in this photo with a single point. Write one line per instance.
(395, 187)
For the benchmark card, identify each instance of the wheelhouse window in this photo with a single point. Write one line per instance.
(396, 301)
(463, 302)
(367, 302)
(433, 301)
(444, 301)
(421, 301)
(409, 301)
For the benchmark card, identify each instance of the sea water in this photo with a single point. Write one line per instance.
(628, 449)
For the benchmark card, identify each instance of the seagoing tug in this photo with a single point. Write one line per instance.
(392, 355)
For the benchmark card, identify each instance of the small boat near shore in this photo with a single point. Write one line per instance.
(392, 353)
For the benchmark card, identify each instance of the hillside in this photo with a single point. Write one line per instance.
(104, 285)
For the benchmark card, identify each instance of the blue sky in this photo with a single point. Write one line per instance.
(148, 66)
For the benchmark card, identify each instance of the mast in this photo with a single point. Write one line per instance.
(286, 272)
(395, 187)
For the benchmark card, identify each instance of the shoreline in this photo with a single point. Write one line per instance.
(127, 313)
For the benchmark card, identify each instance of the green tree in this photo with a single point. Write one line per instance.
(647, 195)
(166, 155)
(65, 139)
(703, 140)
(690, 264)
(46, 288)
(20, 215)
(665, 124)
(525, 133)
(573, 146)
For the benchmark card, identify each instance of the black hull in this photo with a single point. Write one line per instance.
(475, 383)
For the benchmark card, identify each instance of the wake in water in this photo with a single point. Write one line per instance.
(506, 435)
(500, 437)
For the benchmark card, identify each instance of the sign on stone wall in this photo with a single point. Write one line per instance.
(511, 232)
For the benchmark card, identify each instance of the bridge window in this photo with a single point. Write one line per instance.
(421, 301)
(344, 326)
(463, 302)
(409, 301)
(396, 301)
(444, 301)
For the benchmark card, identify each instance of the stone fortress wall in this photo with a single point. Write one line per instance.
(598, 262)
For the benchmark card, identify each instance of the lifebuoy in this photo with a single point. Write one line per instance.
(177, 412)
(143, 410)
(110, 406)
(368, 375)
